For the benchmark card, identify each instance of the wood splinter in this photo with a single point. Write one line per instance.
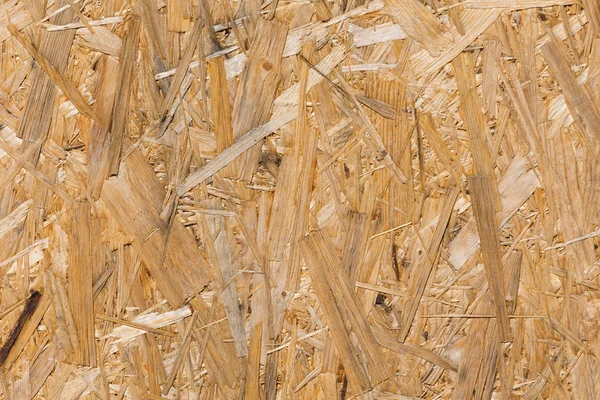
(30, 306)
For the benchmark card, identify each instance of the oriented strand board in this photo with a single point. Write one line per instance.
(332, 199)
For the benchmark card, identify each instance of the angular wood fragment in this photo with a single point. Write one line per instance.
(41, 369)
(355, 244)
(120, 113)
(100, 134)
(221, 107)
(492, 51)
(21, 161)
(252, 389)
(19, 16)
(482, 194)
(80, 289)
(167, 318)
(339, 303)
(424, 273)
(175, 87)
(288, 228)
(30, 305)
(55, 75)
(179, 16)
(477, 369)
(592, 11)
(258, 81)
(419, 23)
(183, 350)
(357, 375)
(15, 218)
(221, 238)
(137, 209)
(426, 123)
(579, 100)
(28, 327)
(455, 13)
(390, 342)
(103, 41)
(216, 352)
(477, 22)
(479, 135)
(377, 34)
(37, 114)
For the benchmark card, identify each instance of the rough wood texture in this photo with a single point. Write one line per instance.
(332, 199)
(80, 276)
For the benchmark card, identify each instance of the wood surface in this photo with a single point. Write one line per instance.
(328, 199)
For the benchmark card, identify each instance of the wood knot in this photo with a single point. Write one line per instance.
(267, 66)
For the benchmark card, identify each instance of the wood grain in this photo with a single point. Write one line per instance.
(332, 199)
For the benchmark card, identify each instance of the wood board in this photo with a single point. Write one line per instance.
(394, 199)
